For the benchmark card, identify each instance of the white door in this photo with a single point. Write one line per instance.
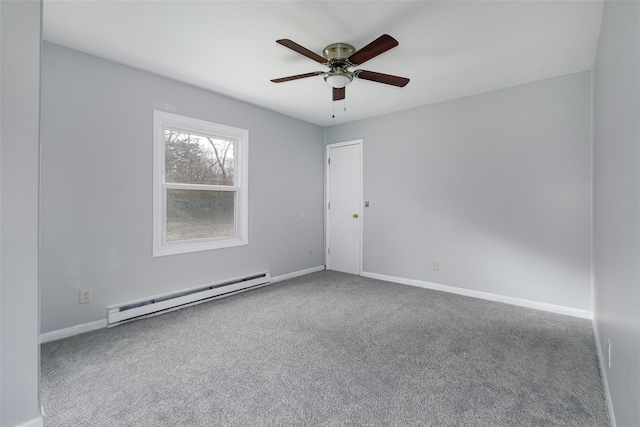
(344, 201)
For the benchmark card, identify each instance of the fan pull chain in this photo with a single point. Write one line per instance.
(333, 107)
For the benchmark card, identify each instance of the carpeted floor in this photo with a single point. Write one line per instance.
(330, 349)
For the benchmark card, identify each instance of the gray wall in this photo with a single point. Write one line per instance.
(97, 188)
(496, 187)
(617, 204)
(19, 122)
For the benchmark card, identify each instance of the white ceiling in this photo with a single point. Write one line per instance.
(449, 49)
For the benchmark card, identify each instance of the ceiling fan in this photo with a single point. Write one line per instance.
(339, 57)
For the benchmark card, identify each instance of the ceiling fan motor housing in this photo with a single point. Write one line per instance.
(337, 55)
(338, 51)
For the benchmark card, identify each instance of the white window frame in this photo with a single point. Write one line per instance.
(163, 120)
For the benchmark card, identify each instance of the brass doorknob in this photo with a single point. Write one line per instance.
(355, 215)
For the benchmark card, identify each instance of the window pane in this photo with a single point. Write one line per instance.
(194, 159)
(195, 214)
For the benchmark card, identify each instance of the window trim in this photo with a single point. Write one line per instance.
(163, 120)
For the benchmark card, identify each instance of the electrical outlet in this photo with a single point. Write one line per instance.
(85, 295)
(609, 352)
(435, 266)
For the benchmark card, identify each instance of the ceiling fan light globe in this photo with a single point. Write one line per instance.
(338, 80)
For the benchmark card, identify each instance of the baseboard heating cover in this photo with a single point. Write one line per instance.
(121, 313)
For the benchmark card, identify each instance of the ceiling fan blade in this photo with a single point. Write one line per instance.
(387, 79)
(296, 77)
(338, 93)
(373, 49)
(301, 50)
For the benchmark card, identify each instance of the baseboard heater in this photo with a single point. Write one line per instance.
(122, 313)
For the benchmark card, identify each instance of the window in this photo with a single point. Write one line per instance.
(200, 185)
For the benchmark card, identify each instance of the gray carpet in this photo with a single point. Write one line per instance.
(330, 349)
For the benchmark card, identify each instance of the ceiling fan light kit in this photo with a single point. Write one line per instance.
(339, 57)
(338, 80)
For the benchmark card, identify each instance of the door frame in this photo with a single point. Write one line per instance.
(327, 231)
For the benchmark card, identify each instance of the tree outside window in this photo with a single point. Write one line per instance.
(201, 194)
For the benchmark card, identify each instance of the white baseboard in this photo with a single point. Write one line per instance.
(603, 373)
(100, 324)
(73, 330)
(35, 422)
(297, 274)
(558, 309)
